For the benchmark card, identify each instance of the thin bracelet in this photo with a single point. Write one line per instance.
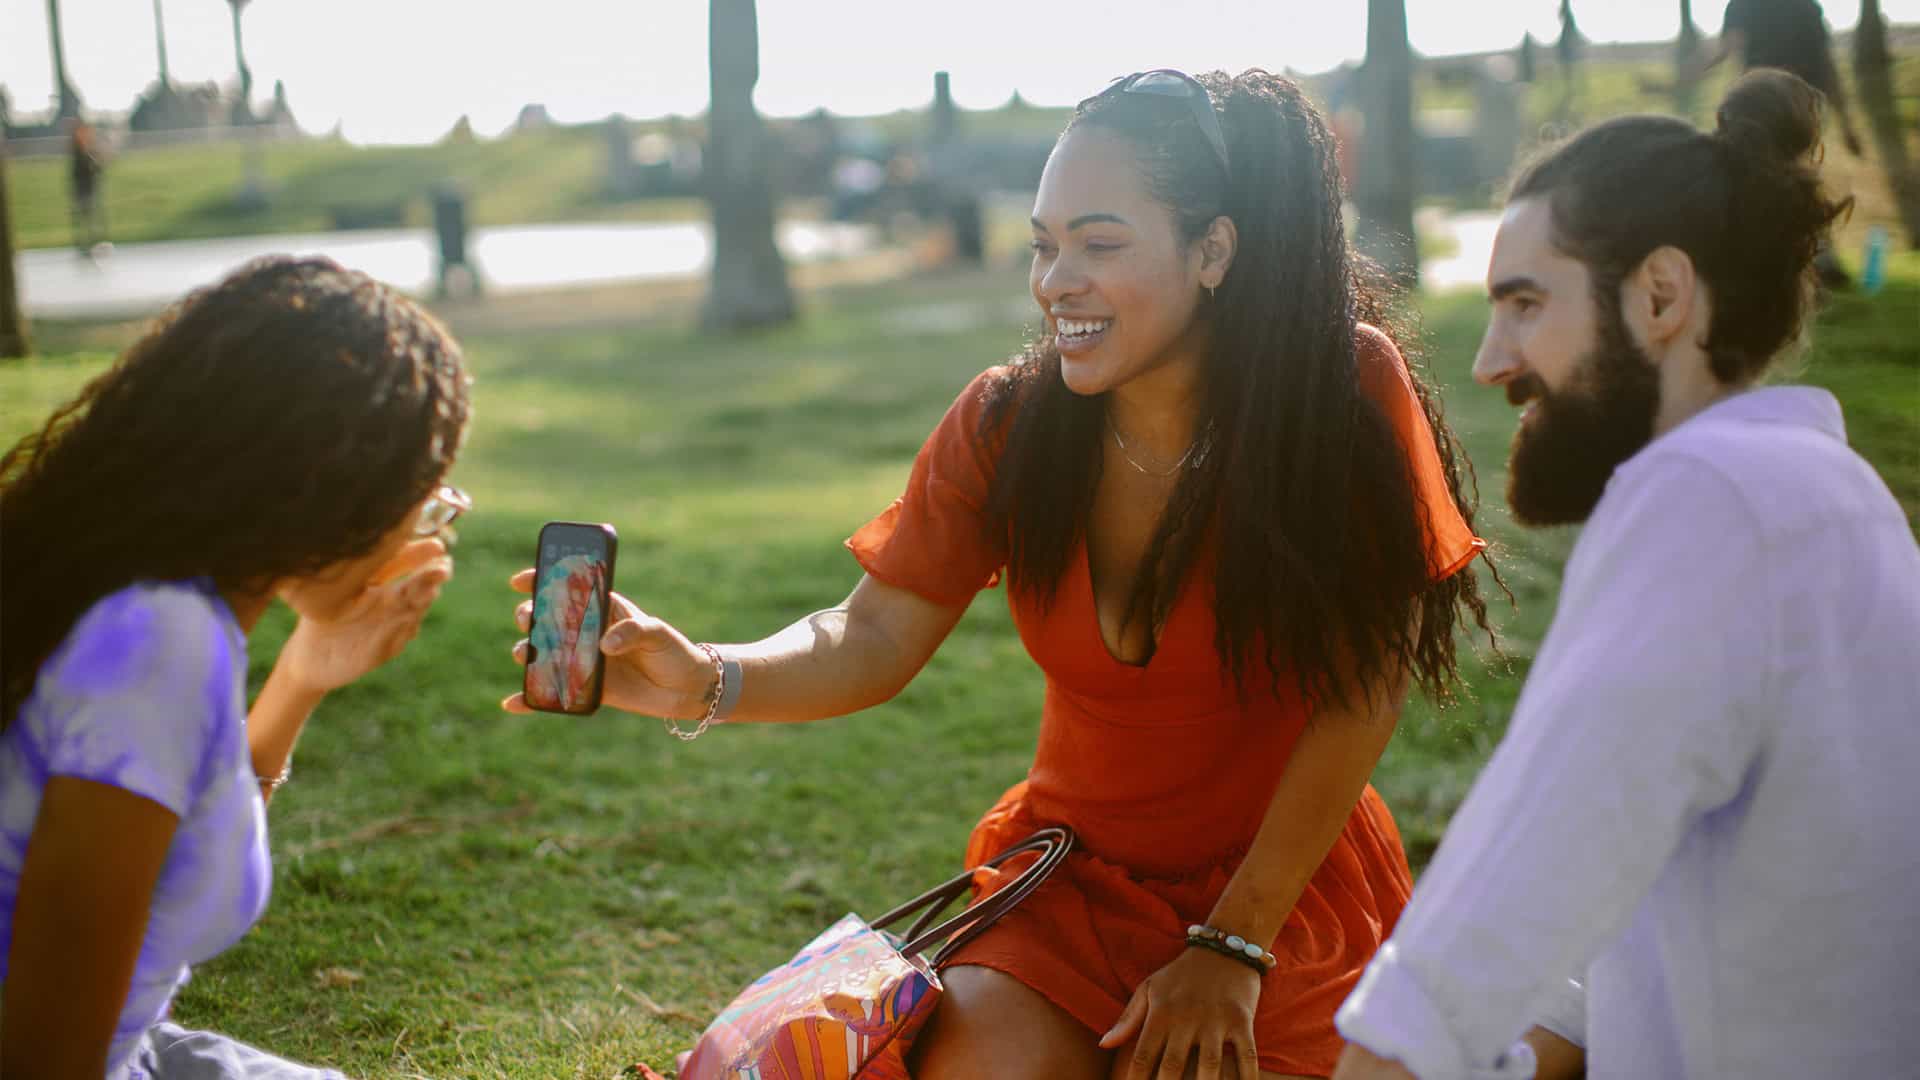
(715, 696)
(272, 783)
(1233, 945)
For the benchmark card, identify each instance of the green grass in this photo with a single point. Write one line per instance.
(463, 892)
(1868, 353)
(188, 192)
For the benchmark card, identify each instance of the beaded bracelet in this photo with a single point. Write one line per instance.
(1232, 945)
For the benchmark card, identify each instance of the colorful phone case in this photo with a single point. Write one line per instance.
(573, 581)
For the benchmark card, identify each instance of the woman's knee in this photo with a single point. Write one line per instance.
(990, 1024)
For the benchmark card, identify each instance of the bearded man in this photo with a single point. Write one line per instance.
(1696, 852)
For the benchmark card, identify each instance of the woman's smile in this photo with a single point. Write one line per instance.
(1080, 335)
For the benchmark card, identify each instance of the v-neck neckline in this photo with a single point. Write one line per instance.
(1099, 633)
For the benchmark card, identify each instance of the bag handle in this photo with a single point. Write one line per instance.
(1053, 843)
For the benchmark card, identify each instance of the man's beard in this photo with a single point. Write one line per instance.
(1567, 448)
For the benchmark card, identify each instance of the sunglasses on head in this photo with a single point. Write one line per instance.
(1166, 82)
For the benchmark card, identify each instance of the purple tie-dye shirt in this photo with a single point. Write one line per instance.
(147, 693)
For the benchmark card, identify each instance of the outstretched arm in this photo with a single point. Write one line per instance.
(830, 663)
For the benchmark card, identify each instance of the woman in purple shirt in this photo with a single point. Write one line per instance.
(284, 434)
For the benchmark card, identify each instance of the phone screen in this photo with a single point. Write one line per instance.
(573, 577)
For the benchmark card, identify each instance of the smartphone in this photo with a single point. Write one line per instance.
(572, 590)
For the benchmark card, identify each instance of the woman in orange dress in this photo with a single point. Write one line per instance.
(1231, 524)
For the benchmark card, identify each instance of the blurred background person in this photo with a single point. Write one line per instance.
(1790, 35)
(86, 169)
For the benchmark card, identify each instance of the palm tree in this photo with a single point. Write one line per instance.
(1526, 62)
(1384, 193)
(1689, 31)
(1567, 52)
(160, 40)
(1570, 43)
(749, 285)
(1686, 53)
(1873, 73)
(13, 323)
(253, 187)
(242, 108)
(69, 97)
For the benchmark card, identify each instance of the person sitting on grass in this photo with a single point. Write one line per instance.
(1704, 809)
(1231, 521)
(282, 434)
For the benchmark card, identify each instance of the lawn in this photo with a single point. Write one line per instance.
(463, 892)
(187, 192)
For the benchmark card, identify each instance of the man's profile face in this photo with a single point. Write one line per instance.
(1588, 392)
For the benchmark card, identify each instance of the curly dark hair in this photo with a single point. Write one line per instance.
(1745, 202)
(1323, 573)
(263, 428)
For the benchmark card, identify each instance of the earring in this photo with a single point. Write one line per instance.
(1210, 289)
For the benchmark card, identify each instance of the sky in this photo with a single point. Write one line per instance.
(391, 71)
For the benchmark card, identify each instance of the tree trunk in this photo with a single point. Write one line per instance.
(13, 322)
(243, 108)
(749, 286)
(160, 40)
(1571, 43)
(1686, 52)
(69, 108)
(1873, 75)
(1384, 194)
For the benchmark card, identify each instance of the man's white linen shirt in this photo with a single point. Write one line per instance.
(1707, 806)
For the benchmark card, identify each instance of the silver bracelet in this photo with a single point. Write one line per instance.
(716, 697)
(272, 783)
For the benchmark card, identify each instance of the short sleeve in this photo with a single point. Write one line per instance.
(1451, 544)
(134, 695)
(933, 540)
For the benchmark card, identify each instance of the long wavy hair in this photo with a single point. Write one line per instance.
(1305, 495)
(263, 428)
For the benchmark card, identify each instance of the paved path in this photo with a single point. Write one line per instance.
(135, 279)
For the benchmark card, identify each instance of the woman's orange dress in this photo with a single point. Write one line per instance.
(1161, 771)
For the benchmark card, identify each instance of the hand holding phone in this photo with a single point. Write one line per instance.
(650, 667)
(572, 587)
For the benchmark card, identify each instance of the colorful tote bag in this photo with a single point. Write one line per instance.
(849, 1005)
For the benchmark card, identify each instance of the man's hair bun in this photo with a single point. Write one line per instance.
(1772, 114)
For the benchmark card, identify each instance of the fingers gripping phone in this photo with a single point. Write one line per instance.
(572, 585)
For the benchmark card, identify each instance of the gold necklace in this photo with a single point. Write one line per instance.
(1177, 466)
